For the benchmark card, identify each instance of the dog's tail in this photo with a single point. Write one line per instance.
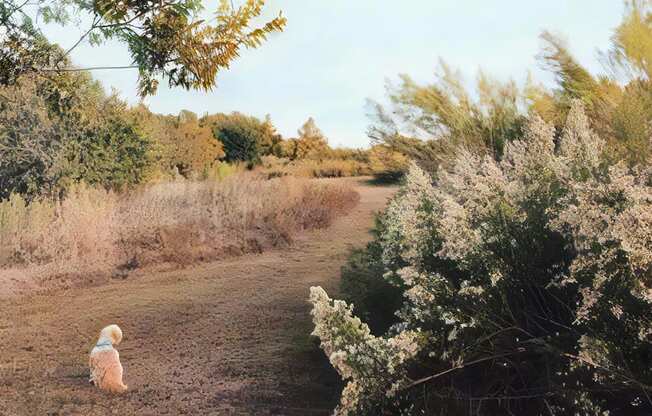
(120, 388)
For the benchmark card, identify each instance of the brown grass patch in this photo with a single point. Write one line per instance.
(92, 232)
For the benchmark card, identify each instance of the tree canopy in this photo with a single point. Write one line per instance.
(311, 143)
(245, 138)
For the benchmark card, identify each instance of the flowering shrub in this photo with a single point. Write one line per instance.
(527, 287)
(374, 365)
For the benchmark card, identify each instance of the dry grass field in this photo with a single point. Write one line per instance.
(93, 235)
(223, 337)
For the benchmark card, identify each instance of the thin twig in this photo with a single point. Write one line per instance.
(480, 360)
(517, 397)
(95, 21)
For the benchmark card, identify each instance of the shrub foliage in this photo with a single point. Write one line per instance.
(363, 284)
(527, 286)
(55, 131)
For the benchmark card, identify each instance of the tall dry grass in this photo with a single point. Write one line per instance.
(93, 231)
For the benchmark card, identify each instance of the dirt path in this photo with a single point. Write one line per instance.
(229, 337)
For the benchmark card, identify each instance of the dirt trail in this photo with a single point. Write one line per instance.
(229, 337)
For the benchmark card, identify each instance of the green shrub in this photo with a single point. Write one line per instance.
(114, 155)
(55, 132)
(245, 138)
(363, 284)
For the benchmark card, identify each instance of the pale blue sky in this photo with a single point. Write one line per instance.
(336, 53)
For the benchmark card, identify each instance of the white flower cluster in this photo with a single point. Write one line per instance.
(409, 212)
(373, 366)
(607, 219)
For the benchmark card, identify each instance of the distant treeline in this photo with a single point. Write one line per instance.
(64, 129)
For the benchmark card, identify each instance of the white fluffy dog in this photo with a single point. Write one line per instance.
(106, 370)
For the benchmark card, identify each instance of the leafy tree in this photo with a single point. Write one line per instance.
(30, 142)
(166, 39)
(245, 138)
(195, 147)
(64, 129)
(311, 143)
(22, 45)
(180, 144)
(113, 154)
(288, 148)
(270, 140)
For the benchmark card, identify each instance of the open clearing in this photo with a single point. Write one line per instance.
(228, 337)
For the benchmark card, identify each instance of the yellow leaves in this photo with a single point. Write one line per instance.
(167, 42)
(181, 142)
(207, 49)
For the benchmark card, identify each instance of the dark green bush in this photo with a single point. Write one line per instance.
(245, 138)
(65, 129)
(375, 299)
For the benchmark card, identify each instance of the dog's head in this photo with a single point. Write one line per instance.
(112, 332)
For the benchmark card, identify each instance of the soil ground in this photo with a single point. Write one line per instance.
(223, 338)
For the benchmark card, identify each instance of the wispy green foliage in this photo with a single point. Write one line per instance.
(631, 50)
(429, 122)
(619, 103)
